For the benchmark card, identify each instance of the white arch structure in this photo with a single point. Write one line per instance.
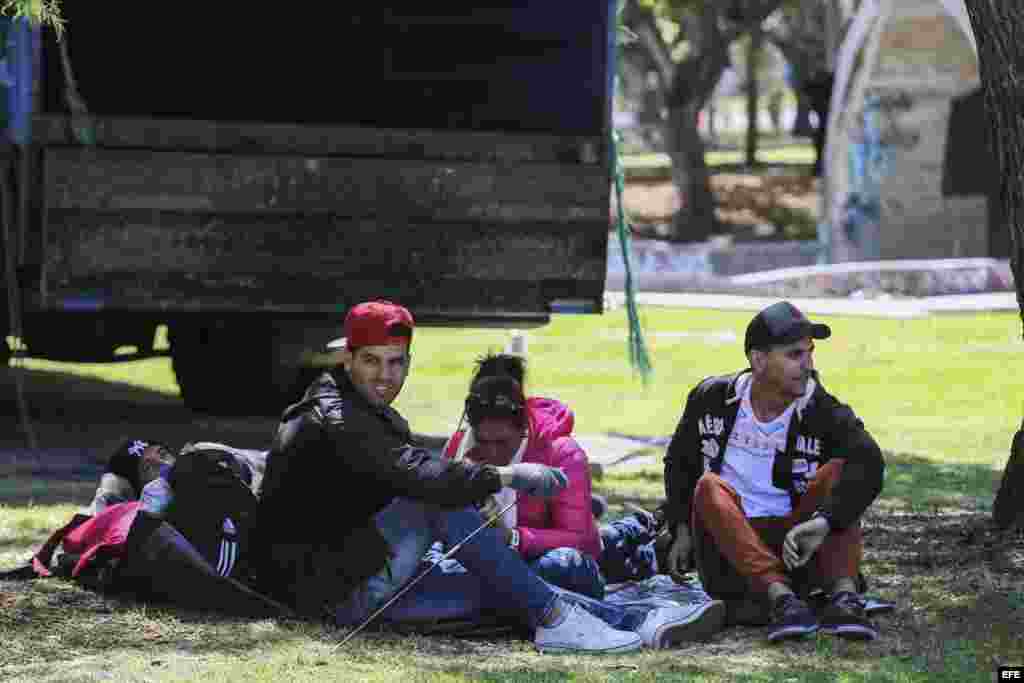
(878, 56)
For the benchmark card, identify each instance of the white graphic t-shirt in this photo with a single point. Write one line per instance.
(750, 456)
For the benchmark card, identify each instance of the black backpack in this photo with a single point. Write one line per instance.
(214, 506)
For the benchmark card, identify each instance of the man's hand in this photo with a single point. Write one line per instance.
(679, 553)
(489, 509)
(803, 541)
(533, 479)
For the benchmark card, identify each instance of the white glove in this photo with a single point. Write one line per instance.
(803, 541)
(534, 479)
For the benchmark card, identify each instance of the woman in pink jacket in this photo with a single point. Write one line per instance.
(558, 536)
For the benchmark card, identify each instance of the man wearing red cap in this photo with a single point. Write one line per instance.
(767, 477)
(349, 505)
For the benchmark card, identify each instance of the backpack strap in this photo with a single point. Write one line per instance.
(39, 566)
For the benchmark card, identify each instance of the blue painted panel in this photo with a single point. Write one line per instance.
(529, 65)
(21, 44)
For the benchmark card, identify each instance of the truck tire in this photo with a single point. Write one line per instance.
(230, 369)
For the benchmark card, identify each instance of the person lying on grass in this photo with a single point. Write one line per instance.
(767, 477)
(133, 465)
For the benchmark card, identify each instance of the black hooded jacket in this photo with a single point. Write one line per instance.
(822, 428)
(335, 462)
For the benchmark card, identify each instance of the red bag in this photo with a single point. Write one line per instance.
(89, 538)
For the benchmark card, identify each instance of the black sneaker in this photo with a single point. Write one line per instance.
(844, 616)
(791, 618)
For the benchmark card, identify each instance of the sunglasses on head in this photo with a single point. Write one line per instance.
(499, 405)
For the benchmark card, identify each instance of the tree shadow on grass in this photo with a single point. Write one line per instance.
(916, 483)
(71, 412)
(33, 491)
(59, 620)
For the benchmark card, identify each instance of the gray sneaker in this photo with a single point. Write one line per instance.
(669, 625)
(580, 631)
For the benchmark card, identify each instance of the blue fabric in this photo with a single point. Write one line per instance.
(659, 587)
(452, 592)
(566, 568)
(22, 45)
(409, 527)
(628, 553)
(488, 577)
(572, 570)
(446, 593)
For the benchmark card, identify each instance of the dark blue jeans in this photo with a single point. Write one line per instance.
(566, 568)
(572, 570)
(628, 553)
(455, 589)
(410, 527)
(450, 591)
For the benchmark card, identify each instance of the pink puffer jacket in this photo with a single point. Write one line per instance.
(565, 521)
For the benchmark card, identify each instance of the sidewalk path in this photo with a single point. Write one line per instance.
(621, 452)
(881, 307)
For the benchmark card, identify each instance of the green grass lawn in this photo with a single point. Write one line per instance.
(943, 388)
(940, 394)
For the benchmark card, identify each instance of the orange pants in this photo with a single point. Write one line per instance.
(736, 555)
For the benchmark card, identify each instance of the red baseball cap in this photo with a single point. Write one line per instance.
(375, 323)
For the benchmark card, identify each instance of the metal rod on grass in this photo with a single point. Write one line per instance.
(405, 589)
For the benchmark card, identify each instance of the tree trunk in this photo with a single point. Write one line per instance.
(712, 130)
(802, 122)
(998, 26)
(753, 57)
(1008, 511)
(692, 84)
(695, 221)
(644, 94)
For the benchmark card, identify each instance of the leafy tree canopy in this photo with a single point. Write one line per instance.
(44, 12)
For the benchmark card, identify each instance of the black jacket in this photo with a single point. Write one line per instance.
(822, 428)
(336, 461)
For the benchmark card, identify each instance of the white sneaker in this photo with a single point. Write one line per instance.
(667, 626)
(581, 631)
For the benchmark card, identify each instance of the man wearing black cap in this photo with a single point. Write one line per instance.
(349, 504)
(767, 477)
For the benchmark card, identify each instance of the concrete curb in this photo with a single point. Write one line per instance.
(879, 308)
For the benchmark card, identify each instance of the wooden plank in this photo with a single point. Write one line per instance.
(325, 141)
(449, 300)
(266, 253)
(105, 179)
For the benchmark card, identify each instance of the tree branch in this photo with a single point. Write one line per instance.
(642, 22)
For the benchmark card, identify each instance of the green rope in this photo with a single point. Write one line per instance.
(83, 127)
(638, 357)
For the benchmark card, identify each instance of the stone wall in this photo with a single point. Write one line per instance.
(746, 269)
